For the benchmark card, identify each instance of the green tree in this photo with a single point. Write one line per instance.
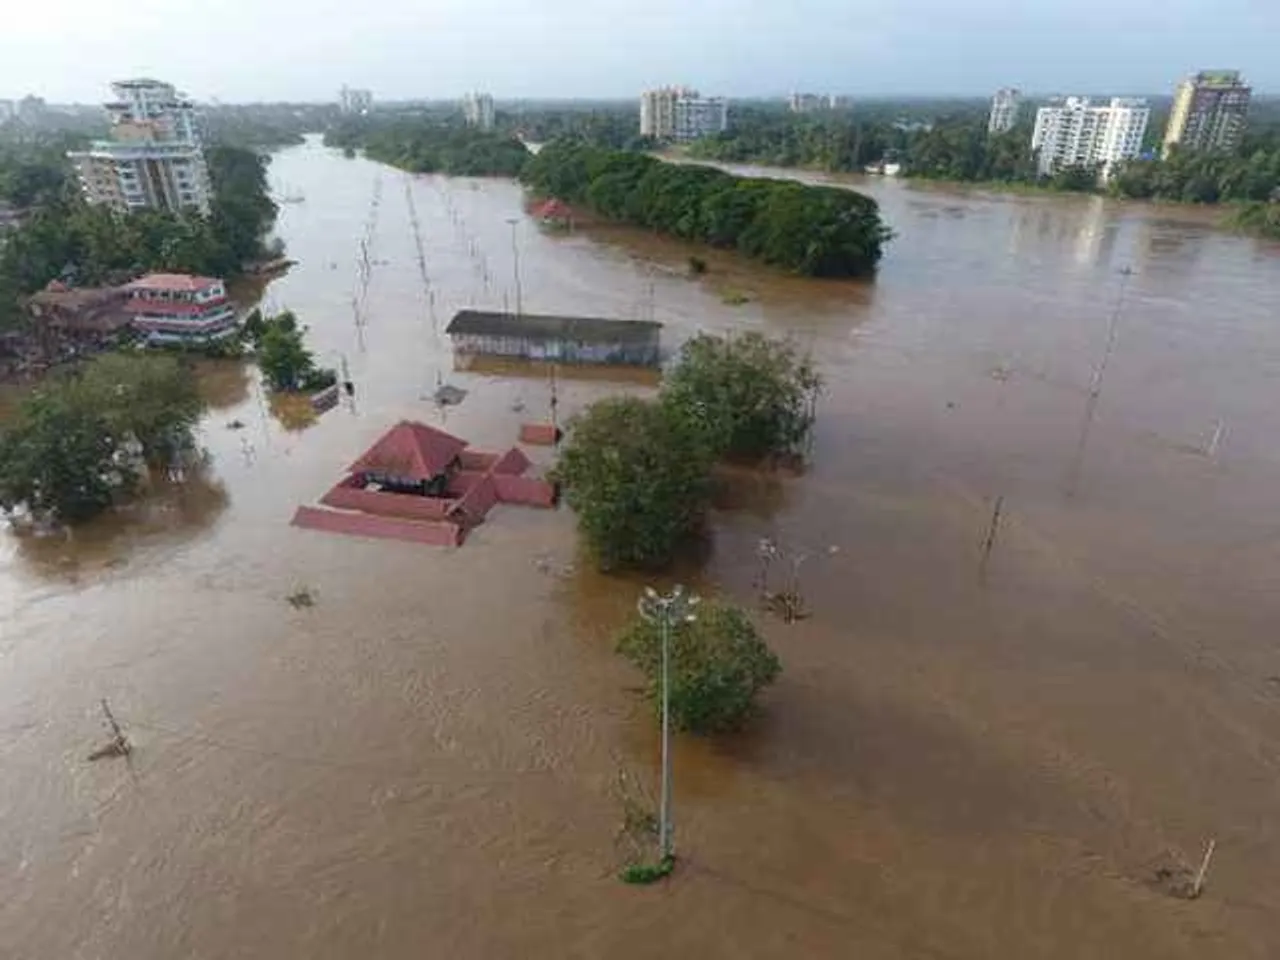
(752, 396)
(151, 400)
(57, 459)
(718, 664)
(71, 447)
(638, 479)
(282, 355)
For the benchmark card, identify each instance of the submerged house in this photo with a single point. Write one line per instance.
(421, 484)
(560, 339)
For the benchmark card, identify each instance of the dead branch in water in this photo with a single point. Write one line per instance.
(118, 745)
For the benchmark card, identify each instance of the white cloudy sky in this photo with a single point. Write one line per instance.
(240, 50)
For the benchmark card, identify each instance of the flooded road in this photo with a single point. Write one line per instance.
(959, 761)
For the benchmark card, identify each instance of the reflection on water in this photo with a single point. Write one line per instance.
(165, 513)
(952, 764)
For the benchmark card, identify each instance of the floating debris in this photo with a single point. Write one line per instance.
(447, 395)
(235, 424)
(300, 598)
(118, 745)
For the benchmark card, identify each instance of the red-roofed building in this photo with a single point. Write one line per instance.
(178, 308)
(421, 484)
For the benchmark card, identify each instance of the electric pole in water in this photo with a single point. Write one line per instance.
(668, 612)
(515, 263)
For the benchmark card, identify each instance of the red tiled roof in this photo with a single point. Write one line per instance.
(410, 450)
(174, 282)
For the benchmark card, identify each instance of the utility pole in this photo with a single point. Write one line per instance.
(667, 611)
(515, 263)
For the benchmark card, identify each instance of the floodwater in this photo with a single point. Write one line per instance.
(961, 759)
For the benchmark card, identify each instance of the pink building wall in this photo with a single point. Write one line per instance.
(438, 533)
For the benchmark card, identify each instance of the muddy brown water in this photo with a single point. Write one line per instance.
(956, 763)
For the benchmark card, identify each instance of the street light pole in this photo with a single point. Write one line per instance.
(515, 263)
(667, 611)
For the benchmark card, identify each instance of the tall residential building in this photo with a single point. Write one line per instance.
(478, 109)
(681, 114)
(154, 156)
(1004, 110)
(1077, 133)
(1209, 112)
(354, 102)
(806, 102)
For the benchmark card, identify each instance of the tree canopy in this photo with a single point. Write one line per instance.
(718, 665)
(282, 354)
(425, 146)
(754, 396)
(816, 231)
(69, 450)
(638, 479)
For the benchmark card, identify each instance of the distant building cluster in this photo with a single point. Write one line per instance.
(153, 157)
(28, 110)
(817, 102)
(1080, 133)
(1005, 106)
(681, 114)
(354, 103)
(1209, 114)
(477, 108)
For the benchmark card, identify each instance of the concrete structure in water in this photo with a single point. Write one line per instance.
(1209, 112)
(1005, 106)
(681, 114)
(477, 108)
(1079, 133)
(586, 340)
(153, 157)
(420, 484)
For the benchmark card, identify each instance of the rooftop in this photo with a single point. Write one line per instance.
(410, 451)
(172, 282)
(530, 326)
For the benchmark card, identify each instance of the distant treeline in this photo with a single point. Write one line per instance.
(959, 148)
(424, 146)
(816, 231)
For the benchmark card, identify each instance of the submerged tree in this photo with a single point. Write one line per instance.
(718, 664)
(638, 478)
(74, 444)
(753, 396)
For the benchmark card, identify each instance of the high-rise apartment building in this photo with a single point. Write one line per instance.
(1209, 112)
(1078, 133)
(681, 114)
(806, 102)
(478, 109)
(154, 156)
(354, 103)
(1005, 106)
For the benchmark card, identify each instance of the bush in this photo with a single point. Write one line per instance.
(754, 396)
(638, 478)
(719, 662)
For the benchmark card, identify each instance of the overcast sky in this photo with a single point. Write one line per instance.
(242, 50)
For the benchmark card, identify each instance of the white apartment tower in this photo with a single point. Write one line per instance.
(478, 110)
(154, 156)
(681, 114)
(354, 102)
(1004, 110)
(1077, 133)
